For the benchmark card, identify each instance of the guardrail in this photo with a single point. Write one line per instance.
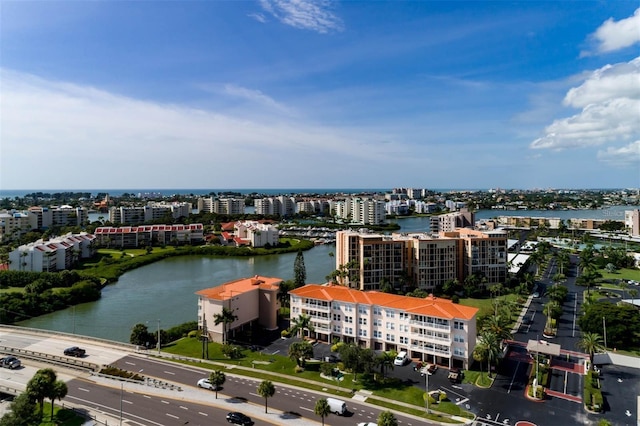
(51, 359)
(125, 346)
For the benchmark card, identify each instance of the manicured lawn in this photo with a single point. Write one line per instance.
(486, 306)
(621, 274)
(61, 417)
(477, 378)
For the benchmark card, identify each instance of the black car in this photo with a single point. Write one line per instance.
(74, 351)
(239, 419)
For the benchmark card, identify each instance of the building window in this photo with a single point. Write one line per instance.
(336, 329)
(348, 330)
(391, 326)
(377, 311)
(336, 306)
(337, 317)
(362, 333)
(458, 352)
(458, 338)
(377, 334)
(362, 310)
(404, 340)
(348, 319)
(458, 325)
(404, 316)
(362, 321)
(391, 337)
(390, 314)
(377, 322)
(348, 308)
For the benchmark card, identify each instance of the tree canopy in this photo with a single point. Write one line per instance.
(622, 323)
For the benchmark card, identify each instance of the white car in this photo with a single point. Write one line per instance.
(367, 424)
(206, 384)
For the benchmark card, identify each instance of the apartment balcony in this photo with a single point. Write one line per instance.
(316, 307)
(430, 325)
(428, 350)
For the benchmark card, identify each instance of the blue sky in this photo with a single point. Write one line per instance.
(317, 94)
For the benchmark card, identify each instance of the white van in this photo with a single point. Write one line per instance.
(401, 359)
(337, 406)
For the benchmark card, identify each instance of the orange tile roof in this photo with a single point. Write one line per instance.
(430, 306)
(227, 290)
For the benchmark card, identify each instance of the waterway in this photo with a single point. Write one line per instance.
(165, 290)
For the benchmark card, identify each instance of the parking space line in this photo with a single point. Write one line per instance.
(513, 378)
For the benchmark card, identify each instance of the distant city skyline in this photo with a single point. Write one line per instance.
(319, 94)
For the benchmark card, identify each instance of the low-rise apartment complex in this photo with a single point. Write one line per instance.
(53, 255)
(146, 235)
(430, 329)
(252, 300)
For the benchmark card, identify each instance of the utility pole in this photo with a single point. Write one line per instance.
(604, 328)
(158, 337)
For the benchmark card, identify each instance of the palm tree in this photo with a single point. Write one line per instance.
(488, 346)
(58, 391)
(225, 318)
(299, 351)
(563, 260)
(302, 323)
(322, 409)
(266, 390)
(498, 325)
(387, 418)
(40, 386)
(217, 379)
(385, 361)
(591, 343)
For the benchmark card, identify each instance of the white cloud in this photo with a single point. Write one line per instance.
(315, 15)
(255, 96)
(609, 82)
(106, 140)
(610, 102)
(258, 17)
(612, 35)
(624, 156)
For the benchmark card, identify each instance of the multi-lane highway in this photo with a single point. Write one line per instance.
(174, 399)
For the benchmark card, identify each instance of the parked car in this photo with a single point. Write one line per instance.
(428, 369)
(331, 358)
(455, 375)
(367, 424)
(401, 359)
(10, 362)
(75, 351)
(206, 384)
(337, 406)
(239, 419)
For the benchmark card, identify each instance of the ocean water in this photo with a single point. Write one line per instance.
(12, 193)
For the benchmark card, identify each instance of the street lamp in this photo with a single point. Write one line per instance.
(158, 337)
(426, 375)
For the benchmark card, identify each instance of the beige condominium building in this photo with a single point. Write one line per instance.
(421, 260)
(252, 300)
(430, 329)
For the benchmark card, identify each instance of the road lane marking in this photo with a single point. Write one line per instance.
(183, 407)
(164, 402)
(173, 416)
(514, 377)
(84, 390)
(170, 372)
(128, 402)
(130, 363)
(203, 414)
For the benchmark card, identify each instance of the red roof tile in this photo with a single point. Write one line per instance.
(431, 306)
